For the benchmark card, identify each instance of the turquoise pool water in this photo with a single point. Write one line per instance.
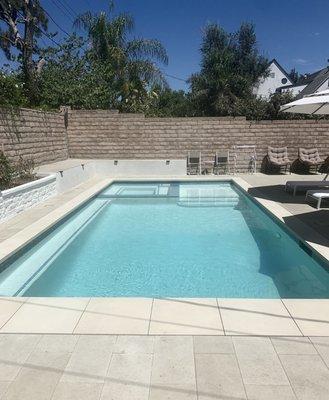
(167, 240)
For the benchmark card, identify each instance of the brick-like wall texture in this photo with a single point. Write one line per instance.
(104, 134)
(110, 135)
(33, 134)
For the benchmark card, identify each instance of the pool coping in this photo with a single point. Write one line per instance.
(293, 317)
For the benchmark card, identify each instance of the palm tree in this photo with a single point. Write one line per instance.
(133, 61)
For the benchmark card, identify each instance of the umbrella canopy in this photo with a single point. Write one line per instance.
(314, 104)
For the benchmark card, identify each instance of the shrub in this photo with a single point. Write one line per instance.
(5, 171)
(25, 168)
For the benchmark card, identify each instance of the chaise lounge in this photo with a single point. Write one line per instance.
(294, 186)
(317, 195)
(277, 157)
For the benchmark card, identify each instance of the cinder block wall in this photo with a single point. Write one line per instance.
(104, 134)
(33, 134)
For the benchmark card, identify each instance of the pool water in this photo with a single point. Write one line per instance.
(167, 240)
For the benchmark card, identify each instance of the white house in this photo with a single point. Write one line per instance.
(309, 84)
(277, 78)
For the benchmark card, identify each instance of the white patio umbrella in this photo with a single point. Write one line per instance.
(313, 104)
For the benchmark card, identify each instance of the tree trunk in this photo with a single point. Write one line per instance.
(28, 64)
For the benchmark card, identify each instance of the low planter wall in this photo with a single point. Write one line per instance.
(131, 168)
(78, 174)
(17, 199)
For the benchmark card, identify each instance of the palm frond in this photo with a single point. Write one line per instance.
(140, 48)
(84, 21)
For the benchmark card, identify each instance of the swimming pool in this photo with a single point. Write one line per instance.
(169, 239)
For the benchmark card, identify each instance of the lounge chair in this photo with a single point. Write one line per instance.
(222, 160)
(278, 157)
(317, 195)
(310, 158)
(294, 186)
(193, 162)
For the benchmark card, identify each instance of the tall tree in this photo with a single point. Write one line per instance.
(24, 21)
(133, 60)
(230, 67)
(71, 78)
(294, 75)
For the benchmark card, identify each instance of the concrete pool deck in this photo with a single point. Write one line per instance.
(166, 316)
(66, 367)
(165, 349)
(74, 367)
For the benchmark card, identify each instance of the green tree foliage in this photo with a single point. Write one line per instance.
(5, 171)
(109, 68)
(294, 75)
(170, 103)
(12, 92)
(254, 108)
(71, 78)
(24, 22)
(132, 61)
(230, 66)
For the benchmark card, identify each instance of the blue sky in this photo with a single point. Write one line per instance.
(295, 32)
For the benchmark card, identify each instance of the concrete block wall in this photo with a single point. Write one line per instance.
(33, 134)
(104, 134)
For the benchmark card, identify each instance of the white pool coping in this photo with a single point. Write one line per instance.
(281, 317)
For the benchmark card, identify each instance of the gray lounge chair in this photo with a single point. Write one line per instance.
(193, 162)
(222, 160)
(294, 186)
(278, 157)
(318, 195)
(310, 158)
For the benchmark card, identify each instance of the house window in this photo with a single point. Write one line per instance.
(272, 75)
(284, 81)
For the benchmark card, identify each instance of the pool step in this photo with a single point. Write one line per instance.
(231, 201)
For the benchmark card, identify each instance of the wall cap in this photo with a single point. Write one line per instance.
(43, 180)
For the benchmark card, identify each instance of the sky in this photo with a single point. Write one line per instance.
(295, 32)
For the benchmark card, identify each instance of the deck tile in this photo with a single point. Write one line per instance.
(116, 316)
(256, 317)
(38, 377)
(46, 315)
(128, 377)
(268, 392)
(173, 362)
(311, 315)
(322, 346)
(14, 351)
(293, 345)
(90, 359)
(258, 361)
(218, 377)
(77, 391)
(185, 317)
(8, 307)
(308, 376)
(213, 345)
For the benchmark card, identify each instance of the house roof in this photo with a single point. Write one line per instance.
(318, 79)
(307, 78)
(274, 61)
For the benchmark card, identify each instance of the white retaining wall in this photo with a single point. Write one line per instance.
(132, 168)
(74, 176)
(15, 200)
